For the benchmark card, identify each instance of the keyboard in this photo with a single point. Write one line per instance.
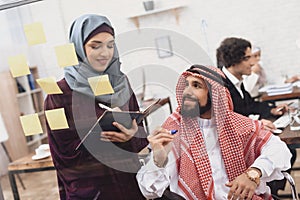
(282, 121)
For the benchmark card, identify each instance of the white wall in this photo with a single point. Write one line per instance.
(272, 25)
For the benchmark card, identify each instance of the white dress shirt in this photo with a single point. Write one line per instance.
(274, 158)
(251, 85)
(236, 82)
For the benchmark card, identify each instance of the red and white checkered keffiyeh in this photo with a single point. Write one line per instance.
(240, 138)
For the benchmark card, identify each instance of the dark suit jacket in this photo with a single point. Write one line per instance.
(247, 105)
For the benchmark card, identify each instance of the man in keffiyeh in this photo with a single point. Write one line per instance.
(216, 153)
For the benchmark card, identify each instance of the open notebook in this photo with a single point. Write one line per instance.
(122, 117)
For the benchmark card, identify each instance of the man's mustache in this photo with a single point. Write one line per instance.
(189, 98)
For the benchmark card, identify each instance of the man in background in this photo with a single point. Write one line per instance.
(235, 58)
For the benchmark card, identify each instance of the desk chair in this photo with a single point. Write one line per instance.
(161, 103)
(292, 184)
(291, 181)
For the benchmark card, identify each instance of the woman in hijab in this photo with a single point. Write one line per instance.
(105, 164)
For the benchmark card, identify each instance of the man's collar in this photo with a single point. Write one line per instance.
(207, 122)
(231, 77)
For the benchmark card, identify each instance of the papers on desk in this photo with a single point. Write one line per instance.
(272, 90)
(296, 84)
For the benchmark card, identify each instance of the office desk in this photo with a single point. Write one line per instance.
(294, 95)
(290, 137)
(25, 165)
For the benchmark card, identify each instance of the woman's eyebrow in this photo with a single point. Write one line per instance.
(100, 42)
(96, 41)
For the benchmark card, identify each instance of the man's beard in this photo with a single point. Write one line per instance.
(197, 110)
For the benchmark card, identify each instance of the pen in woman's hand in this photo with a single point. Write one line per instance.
(173, 131)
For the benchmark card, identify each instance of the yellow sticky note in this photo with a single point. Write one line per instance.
(49, 85)
(18, 65)
(31, 124)
(57, 119)
(35, 33)
(66, 55)
(101, 85)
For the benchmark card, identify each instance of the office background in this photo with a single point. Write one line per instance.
(202, 25)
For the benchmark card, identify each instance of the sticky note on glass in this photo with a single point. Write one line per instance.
(31, 124)
(56, 119)
(35, 33)
(101, 85)
(49, 85)
(66, 55)
(18, 65)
